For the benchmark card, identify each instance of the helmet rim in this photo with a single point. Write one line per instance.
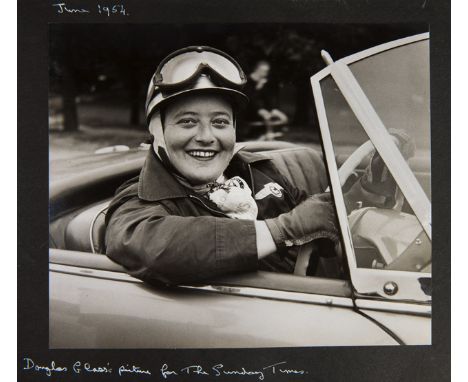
(203, 84)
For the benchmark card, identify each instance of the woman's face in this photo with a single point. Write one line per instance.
(200, 136)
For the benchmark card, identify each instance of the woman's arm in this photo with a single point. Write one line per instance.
(265, 243)
(156, 246)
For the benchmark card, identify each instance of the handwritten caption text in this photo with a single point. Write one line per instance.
(165, 372)
(104, 10)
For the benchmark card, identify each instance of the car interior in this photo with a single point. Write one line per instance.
(78, 209)
(78, 213)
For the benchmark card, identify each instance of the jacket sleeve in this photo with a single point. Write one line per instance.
(155, 246)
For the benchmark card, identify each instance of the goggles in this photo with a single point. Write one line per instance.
(185, 65)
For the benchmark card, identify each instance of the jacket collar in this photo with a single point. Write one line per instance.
(157, 183)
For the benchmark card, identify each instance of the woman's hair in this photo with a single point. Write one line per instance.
(235, 111)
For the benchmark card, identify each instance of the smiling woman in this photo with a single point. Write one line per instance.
(200, 207)
(200, 136)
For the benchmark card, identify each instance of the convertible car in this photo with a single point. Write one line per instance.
(375, 291)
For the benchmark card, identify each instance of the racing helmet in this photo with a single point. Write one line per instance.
(195, 68)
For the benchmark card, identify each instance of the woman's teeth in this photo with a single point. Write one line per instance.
(202, 154)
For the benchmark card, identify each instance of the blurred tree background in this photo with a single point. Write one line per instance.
(99, 73)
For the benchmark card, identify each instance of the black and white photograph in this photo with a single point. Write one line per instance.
(238, 190)
(279, 172)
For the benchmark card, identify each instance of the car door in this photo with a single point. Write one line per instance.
(94, 304)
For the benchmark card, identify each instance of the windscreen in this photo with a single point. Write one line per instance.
(385, 232)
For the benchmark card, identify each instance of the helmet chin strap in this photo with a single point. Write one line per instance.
(156, 130)
(159, 143)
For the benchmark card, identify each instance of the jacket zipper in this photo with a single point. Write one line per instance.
(251, 180)
(207, 207)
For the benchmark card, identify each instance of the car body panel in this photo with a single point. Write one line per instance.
(412, 329)
(93, 310)
(62, 169)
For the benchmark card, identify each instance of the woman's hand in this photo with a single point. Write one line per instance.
(312, 219)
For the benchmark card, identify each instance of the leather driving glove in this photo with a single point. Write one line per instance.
(312, 219)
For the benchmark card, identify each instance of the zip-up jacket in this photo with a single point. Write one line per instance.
(162, 232)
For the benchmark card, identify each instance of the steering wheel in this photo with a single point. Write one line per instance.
(353, 161)
(303, 258)
(326, 260)
(347, 168)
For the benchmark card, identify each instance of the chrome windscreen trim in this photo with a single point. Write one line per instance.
(332, 168)
(383, 47)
